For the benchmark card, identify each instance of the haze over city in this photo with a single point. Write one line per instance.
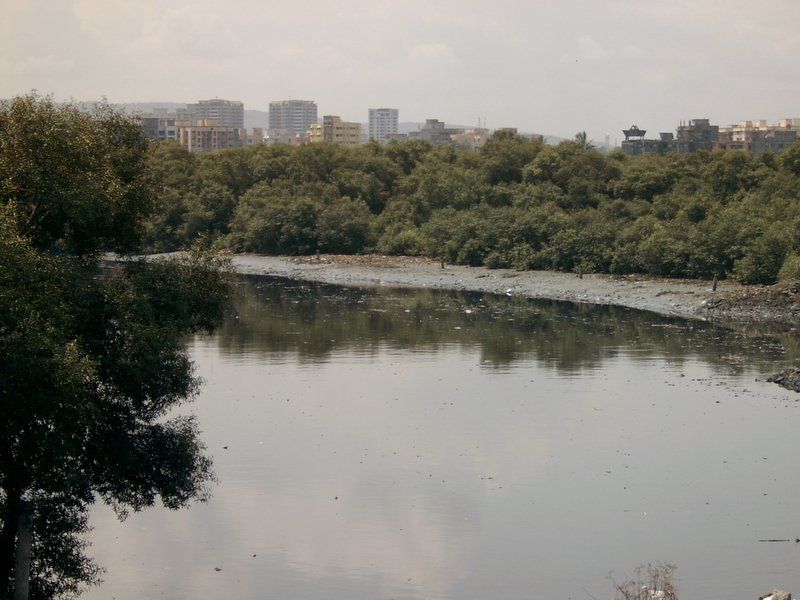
(553, 68)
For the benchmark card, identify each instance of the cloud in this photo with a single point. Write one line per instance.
(587, 49)
(433, 52)
(36, 64)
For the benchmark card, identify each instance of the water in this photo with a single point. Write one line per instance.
(420, 444)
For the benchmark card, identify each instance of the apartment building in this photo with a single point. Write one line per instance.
(290, 118)
(758, 136)
(205, 135)
(226, 113)
(334, 130)
(382, 123)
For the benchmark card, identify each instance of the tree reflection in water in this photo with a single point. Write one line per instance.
(311, 320)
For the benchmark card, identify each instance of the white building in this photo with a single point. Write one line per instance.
(382, 124)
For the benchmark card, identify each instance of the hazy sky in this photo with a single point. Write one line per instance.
(543, 66)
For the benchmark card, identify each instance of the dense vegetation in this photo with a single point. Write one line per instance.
(515, 203)
(91, 360)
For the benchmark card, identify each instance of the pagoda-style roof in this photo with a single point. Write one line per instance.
(634, 131)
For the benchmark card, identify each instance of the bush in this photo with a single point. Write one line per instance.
(344, 227)
(790, 268)
(762, 261)
(401, 240)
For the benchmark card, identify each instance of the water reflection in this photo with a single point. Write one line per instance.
(311, 321)
(421, 444)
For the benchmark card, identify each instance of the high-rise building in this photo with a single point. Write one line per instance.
(382, 124)
(334, 130)
(287, 118)
(226, 113)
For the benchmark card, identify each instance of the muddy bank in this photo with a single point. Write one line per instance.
(731, 302)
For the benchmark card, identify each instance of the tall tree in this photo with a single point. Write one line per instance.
(91, 360)
(583, 140)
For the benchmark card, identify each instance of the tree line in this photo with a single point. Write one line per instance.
(515, 203)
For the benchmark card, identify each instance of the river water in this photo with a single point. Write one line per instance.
(415, 444)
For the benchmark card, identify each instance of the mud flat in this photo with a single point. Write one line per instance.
(731, 302)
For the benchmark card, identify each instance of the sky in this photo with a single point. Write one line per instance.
(553, 67)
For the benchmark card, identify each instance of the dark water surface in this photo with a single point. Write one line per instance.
(425, 444)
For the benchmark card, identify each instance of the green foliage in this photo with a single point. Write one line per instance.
(504, 156)
(91, 361)
(75, 180)
(790, 268)
(514, 204)
(791, 159)
(583, 140)
(344, 227)
(762, 260)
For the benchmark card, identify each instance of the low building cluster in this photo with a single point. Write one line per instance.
(205, 126)
(754, 137)
(217, 124)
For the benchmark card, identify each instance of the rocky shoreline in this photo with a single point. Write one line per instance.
(731, 302)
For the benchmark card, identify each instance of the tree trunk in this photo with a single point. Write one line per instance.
(22, 569)
(8, 539)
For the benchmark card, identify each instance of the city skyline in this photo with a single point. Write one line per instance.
(540, 67)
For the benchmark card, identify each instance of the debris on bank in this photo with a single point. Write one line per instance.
(362, 260)
(776, 595)
(790, 379)
(779, 302)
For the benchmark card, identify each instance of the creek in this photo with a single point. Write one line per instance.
(417, 444)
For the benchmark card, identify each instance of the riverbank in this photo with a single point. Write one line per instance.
(731, 302)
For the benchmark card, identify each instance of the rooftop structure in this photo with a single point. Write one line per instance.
(636, 143)
(634, 132)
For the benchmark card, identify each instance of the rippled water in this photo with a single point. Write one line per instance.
(420, 444)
